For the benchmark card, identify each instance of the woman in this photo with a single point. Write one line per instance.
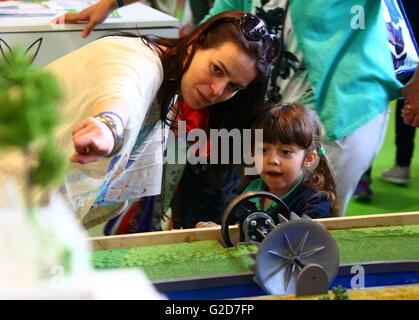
(121, 90)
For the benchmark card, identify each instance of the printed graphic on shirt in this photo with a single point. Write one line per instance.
(142, 171)
(402, 44)
(289, 80)
(286, 61)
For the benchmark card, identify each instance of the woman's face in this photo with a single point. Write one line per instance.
(216, 75)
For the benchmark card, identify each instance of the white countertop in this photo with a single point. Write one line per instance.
(136, 15)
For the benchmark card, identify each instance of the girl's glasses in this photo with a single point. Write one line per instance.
(254, 29)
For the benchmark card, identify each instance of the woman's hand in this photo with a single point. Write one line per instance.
(206, 224)
(92, 140)
(93, 15)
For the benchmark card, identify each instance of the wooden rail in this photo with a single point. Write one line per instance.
(214, 233)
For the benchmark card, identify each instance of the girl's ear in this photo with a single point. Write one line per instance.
(188, 52)
(311, 159)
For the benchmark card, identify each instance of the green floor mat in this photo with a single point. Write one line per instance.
(387, 197)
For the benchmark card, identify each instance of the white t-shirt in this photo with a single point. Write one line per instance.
(110, 67)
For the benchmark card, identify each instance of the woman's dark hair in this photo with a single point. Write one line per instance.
(295, 124)
(237, 112)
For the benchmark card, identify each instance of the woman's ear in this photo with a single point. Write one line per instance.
(311, 158)
(188, 53)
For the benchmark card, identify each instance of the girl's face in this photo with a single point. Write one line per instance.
(216, 75)
(280, 164)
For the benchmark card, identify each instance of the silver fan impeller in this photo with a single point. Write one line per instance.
(296, 254)
(293, 260)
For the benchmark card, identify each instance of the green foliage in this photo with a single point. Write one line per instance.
(28, 98)
(49, 168)
(28, 116)
(339, 293)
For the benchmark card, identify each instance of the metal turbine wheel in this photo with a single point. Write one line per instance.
(254, 224)
(289, 250)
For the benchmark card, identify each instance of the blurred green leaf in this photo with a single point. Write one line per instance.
(29, 100)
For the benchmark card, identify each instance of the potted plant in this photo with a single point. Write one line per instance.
(40, 240)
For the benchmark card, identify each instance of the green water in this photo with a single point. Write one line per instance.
(170, 261)
(377, 244)
(204, 258)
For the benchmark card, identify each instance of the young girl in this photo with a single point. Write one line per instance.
(292, 162)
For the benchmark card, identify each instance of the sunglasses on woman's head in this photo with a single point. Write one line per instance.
(254, 29)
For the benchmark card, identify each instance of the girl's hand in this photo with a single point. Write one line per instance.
(92, 140)
(205, 224)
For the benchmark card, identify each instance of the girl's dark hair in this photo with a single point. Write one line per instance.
(295, 124)
(237, 112)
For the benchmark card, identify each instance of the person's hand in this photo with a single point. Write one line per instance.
(205, 224)
(410, 114)
(93, 15)
(410, 111)
(92, 140)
